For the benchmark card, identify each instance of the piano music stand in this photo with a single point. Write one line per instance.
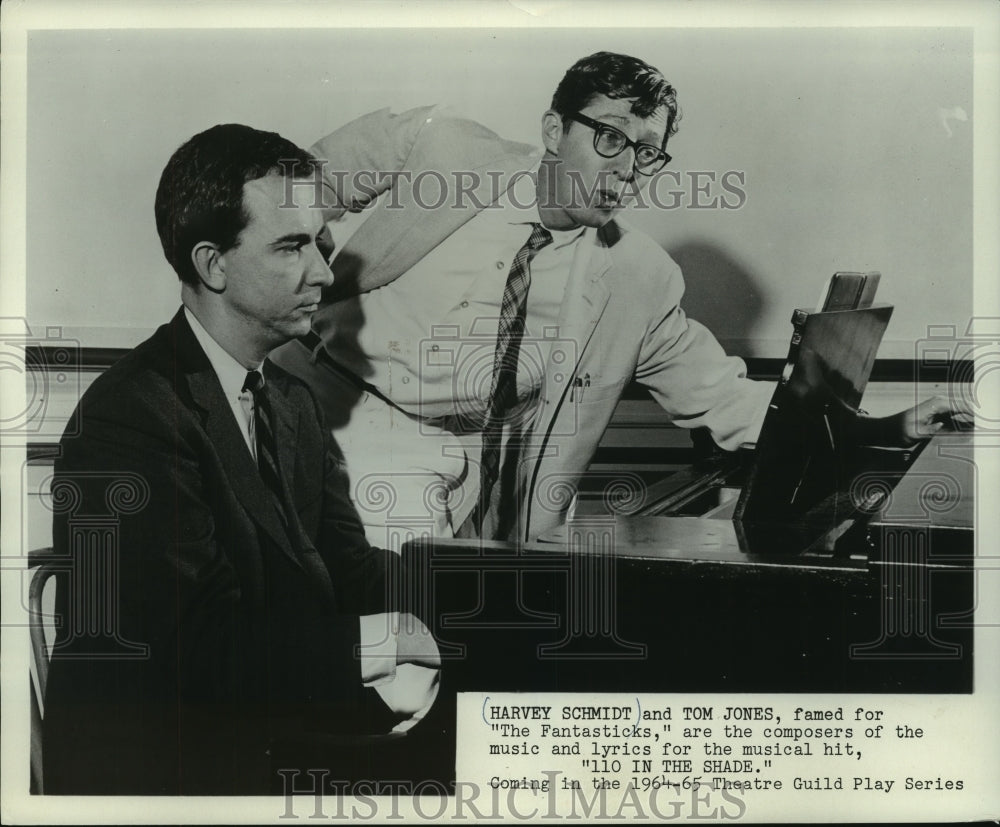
(799, 489)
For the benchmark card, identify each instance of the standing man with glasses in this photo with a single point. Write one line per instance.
(445, 363)
(491, 308)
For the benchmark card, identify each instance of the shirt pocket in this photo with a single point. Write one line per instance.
(587, 389)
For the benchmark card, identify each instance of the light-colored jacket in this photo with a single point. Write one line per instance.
(621, 319)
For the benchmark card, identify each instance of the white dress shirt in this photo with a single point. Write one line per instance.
(231, 375)
(428, 357)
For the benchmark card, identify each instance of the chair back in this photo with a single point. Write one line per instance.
(43, 570)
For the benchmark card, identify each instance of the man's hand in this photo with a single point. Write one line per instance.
(930, 416)
(920, 422)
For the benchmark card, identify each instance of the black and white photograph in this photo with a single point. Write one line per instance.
(509, 411)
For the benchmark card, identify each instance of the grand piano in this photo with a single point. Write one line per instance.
(806, 563)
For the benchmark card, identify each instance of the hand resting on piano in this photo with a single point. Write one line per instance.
(910, 426)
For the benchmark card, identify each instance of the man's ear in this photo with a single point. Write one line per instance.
(210, 265)
(552, 131)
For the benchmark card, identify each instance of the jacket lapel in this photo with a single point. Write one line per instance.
(286, 425)
(224, 433)
(584, 301)
(286, 429)
(586, 296)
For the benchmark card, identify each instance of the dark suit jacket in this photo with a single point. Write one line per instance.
(196, 628)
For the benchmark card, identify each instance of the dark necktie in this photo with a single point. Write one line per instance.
(267, 447)
(503, 392)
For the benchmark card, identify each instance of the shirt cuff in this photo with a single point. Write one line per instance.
(379, 642)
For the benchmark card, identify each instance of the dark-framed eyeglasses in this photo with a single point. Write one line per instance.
(609, 142)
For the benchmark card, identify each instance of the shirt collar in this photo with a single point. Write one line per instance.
(524, 199)
(231, 373)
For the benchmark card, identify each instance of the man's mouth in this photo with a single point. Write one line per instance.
(606, 199)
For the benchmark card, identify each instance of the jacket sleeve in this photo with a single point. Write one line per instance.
(359, 158)
(690, 375)
(366, 579)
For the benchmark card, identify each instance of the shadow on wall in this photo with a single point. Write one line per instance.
(337, 391)
(721, 293)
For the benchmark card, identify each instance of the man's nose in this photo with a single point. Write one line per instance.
(623, 164)
(317, 270)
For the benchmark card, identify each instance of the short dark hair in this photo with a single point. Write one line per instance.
(200, 196)
(617, 76)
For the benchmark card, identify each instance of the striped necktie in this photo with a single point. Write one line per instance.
(263, 437)
(503, 392)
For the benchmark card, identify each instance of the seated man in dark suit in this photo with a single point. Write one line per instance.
(216, 623)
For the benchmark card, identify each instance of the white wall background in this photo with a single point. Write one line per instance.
(850, 158)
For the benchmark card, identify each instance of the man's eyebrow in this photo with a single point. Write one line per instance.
(624, 122)
(620, 118)
(292, 238)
